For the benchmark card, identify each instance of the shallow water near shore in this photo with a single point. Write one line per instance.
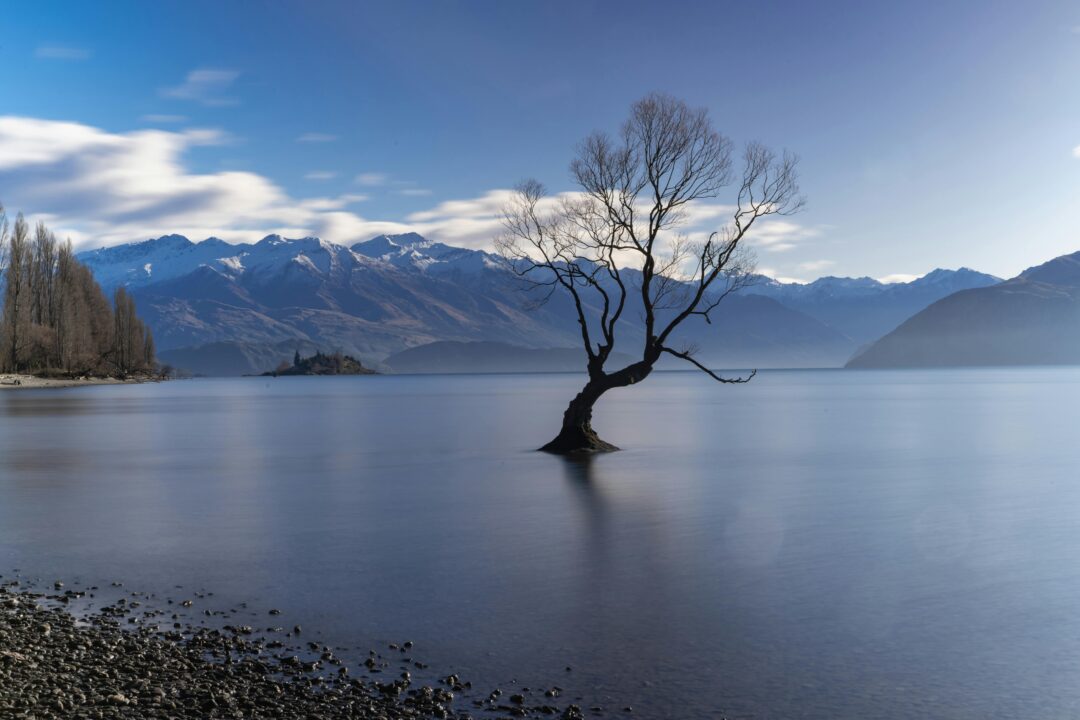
(815, 544)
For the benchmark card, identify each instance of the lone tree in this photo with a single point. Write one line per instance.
(615, 246)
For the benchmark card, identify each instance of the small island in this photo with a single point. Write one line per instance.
(321, 364)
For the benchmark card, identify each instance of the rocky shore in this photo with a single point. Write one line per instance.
(140, 657)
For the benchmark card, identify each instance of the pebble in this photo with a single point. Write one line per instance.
(119, 662)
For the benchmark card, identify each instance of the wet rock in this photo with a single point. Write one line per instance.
(117, 662)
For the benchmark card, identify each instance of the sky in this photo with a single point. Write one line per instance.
(930, 134)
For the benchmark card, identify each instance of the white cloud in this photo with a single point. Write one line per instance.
(316, 138)
(336, 203)
(163, 119)
(488, 206)
(779, 235)
(370, 179)
(1076, 151)
(816, 265)
(320, 175)
(103, 188)
(207, 86)
(209, 136)
(61, 52)
(414, 192)
(475, 222)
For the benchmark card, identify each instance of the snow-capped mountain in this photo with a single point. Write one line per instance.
(247, 306)
(379, 297)
(410, 250)
(863, 308)
(152, 261)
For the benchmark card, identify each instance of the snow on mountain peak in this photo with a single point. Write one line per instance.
(407, 239)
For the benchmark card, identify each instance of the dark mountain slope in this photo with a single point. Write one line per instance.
(1032, 319)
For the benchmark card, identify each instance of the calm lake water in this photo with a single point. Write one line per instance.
(816, 544)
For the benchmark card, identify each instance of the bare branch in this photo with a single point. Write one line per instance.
(690, 359)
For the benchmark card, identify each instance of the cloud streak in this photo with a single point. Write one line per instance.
(314, 137)
(102, 188)
(61, 52)
(206, 87)
(370, 179)
(157, 119)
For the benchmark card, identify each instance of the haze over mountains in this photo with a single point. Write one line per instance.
(1032, 319)
(864, 309)
(224, 309)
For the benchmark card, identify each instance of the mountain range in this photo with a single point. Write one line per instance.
(863, 308)
(1031, 319)
(221, 308)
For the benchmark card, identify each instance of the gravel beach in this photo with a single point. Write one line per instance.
(9, 382)
(138, 657)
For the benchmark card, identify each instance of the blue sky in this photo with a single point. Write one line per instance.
(931, 133)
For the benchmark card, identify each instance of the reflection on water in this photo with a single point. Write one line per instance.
(813, 544)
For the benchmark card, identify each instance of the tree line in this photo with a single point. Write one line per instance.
(56, 318)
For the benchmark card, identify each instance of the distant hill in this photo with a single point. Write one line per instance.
(1032, 319)
(864, 309)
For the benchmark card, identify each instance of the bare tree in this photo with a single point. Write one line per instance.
(3, 238)
(55, 316)
(149, 350)
(15, 322)
(615, 245)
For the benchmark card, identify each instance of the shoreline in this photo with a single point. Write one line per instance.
(12, 381)
(137, 656)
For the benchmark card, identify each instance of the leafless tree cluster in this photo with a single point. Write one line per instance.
(615, 245)
(55, 316)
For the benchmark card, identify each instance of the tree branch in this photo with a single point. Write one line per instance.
(690, 359)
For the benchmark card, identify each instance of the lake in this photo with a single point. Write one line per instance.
(815, 544)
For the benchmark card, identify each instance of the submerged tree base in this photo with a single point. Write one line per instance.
(575, 442)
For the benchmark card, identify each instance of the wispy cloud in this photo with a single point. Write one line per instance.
(104, 188)
(61, 52)
(815, 265)
(776, 236)
(163, 119)
(335, 203)
(314, 137)
(414, 192)
(320, 175)
(1076, 151)
(371, 179)
(207, 87)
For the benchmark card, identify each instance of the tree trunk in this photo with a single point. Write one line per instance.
(577, 435)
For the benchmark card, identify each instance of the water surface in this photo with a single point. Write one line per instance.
(815, 544)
